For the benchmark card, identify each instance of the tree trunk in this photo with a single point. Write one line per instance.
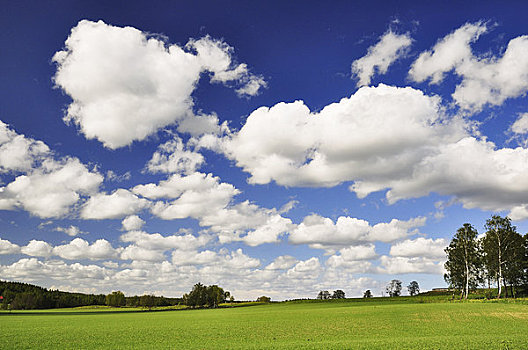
(467, 278)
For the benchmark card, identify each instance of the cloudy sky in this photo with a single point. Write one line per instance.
(273, 149)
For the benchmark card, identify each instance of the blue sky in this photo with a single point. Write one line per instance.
(271, 148)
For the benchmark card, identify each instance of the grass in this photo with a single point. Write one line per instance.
(382, 323)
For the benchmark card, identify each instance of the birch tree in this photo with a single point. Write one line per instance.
(463, 260)
(501, 250)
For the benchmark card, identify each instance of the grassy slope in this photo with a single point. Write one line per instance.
(332, 325)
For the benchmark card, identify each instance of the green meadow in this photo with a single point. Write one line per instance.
(388, 323)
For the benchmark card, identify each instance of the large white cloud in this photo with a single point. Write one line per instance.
(323, 233)
(485, 80)
(379, 132)
(126, 85)
(116, 205)
(390, 47)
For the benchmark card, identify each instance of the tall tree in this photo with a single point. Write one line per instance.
(413, 288)
(463, 260)
(503, 251)
(394, 288)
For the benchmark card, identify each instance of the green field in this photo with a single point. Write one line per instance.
(348, 324)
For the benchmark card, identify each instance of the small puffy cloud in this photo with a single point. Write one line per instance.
(205, 198)
(420, 247)
(37, 248)
(188, 189)
(448, 53)
(390, 47)
(282, 262)
(485, 80)
(70, 230)
(113, 206)
(353, 259)
(133, 252)
(118, 100)
(323, 233)
(17, 152)
(81, 249)
(51, 189)
(402, 265)
(112, 176)
(521, 125)
(174, 157)
(306, 269)
(47, 187)
(156, 241)
(132, 223)
(7, 247)
(189, 257)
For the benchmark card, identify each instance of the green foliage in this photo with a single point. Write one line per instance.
(116, 299)
(464, 260)
(263, 299)
(338, 294)
(413, 288)
(206, 296)
(394, 288)
(25, 296)
(324, 295)
(504, 252)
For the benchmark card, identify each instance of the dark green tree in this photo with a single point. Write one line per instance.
(116, 299)
(367, 294)
(263, 299)
(148, 301)
(323, 295)
(338, 294)
(463, 260)
(413, 288)
(394, 288)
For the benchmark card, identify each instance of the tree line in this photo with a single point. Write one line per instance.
(499, 257)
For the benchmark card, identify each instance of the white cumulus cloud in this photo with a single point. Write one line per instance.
(126, 85)
(390, 47)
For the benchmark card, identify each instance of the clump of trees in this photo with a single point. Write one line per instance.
(325, 295)
(367, 294)
(263, 299)
(206, 296)
(500, 256)
(116, 299)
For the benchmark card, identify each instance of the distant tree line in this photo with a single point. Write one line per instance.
(499, 258)
(25, 296)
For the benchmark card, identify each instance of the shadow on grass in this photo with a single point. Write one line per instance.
(78, 313)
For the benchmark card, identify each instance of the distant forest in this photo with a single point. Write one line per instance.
(24, 296)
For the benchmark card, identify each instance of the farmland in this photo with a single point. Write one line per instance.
(352, 323)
